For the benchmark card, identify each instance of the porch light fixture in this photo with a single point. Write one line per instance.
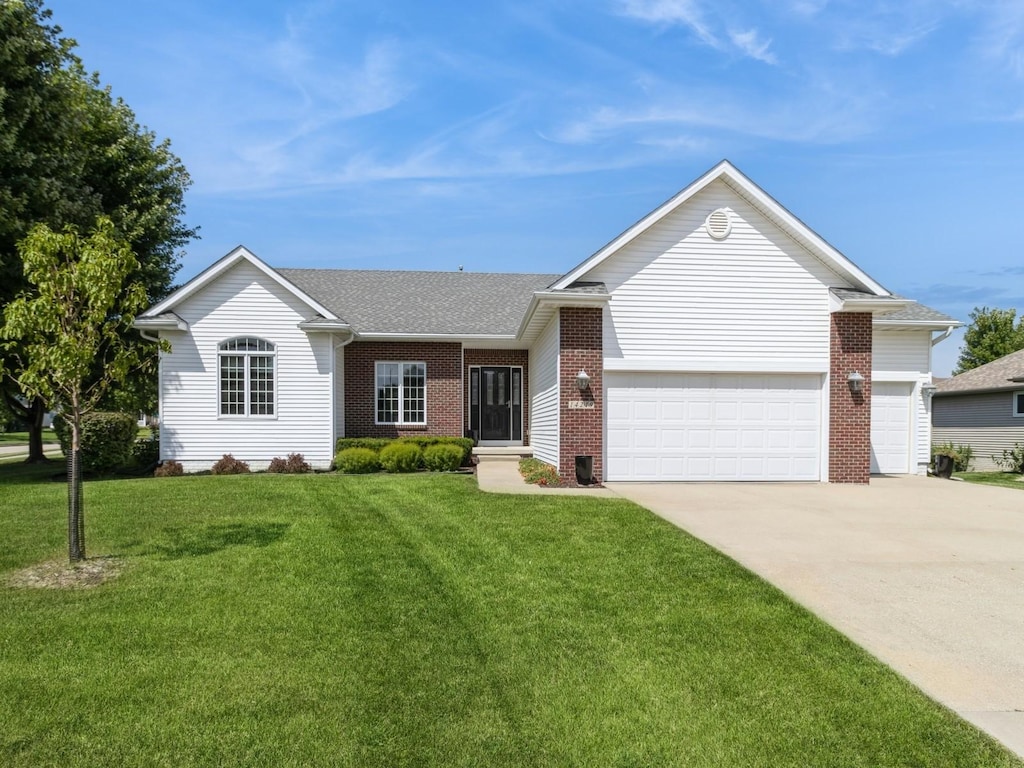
(856, 382)
(582, 380)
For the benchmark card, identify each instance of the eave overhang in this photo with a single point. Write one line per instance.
(544, 304)
(167, 321)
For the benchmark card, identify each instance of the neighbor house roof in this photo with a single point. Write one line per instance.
(422, 303)
(997, 375)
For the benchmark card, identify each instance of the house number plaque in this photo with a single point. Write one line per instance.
(584, 404)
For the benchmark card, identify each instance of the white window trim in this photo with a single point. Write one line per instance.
(1016, 398)
(248, 370)
(401, 394)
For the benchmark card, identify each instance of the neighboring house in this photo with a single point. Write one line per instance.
(982, 408)
(712, 340)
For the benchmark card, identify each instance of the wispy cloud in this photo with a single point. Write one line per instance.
(1002, 36)
(705, 27)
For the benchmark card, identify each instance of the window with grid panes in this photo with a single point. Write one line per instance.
(401, 393)
(247, 383)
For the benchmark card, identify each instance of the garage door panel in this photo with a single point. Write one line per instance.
(890, 427)
(714, 427)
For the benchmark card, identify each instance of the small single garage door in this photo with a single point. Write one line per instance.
(890, 427)
(703, 427)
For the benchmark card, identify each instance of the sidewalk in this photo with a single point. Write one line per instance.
(502, 476)
(21, 451)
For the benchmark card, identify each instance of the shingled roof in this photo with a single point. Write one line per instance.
(987, 378)
(915, 313)
(424, 303)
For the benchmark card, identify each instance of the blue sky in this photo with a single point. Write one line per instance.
(522, 136)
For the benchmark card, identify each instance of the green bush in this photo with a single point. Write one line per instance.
(442, 458)
(107, 439)
(295, 464)
(422, 441)
(1012, 460)
(229, 465)
(371, 443)
(962, 455)
(401, 456)
(536, 472)
(357, 461)
(169, 469)
(146, 452)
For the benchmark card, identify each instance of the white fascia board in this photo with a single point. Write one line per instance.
(552, 299)
(746, 188)
(877, 308)
(172, 323)
(222, 265)
(917, 325)
(454, 337)
(328, 326)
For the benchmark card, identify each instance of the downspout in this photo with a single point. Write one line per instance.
(334, 369)
(943, 336)
(147, 337)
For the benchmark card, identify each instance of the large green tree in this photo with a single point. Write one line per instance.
(69, 153)
(991, 334)
(74, 316)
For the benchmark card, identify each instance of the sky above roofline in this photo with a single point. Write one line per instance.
(522, 136)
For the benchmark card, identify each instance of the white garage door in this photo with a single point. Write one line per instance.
(685, 426)
(890, 427)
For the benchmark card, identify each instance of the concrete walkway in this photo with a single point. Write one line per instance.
(926, 574)
(502, 476)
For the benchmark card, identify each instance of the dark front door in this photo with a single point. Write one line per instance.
(495, 403)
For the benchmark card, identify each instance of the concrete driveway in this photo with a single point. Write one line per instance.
(926, 574)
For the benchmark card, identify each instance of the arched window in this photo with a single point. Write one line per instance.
(246, 366)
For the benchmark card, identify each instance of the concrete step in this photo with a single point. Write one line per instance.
(501, 452)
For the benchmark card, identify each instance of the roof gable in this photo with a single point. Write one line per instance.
(756, 197)
(223, 265)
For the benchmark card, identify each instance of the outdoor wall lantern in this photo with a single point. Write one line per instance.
(582, 380)
(856, 382)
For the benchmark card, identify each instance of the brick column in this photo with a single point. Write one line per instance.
(581, 413)
(849, 440)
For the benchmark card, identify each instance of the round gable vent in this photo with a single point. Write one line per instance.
(718, 224)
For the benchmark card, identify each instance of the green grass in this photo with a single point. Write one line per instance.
(1005, 479)
(21, 438)
(412, 620)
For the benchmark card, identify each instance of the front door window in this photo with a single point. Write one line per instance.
(496, 402)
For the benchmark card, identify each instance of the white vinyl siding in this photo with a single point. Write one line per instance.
(245, 302)
(905, 357)
(712, 427)
(680, 300)
(544, 394)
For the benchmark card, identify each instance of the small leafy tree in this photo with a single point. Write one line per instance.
(993, 333)
(72, 322)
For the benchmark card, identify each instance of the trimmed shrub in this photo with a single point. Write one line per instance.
(229, 465)
(372, 443)
(423, 441)
(107, 439)
(169, 469)
(401, 457)
(295, 464)
(146, 452)
(442, 458)
(536, 472)
(357, 461)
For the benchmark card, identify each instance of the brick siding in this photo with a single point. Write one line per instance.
(502, 357)
(444, 387)
(849, 440)
(581, 348)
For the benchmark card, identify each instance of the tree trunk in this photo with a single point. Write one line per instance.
(32, 414)
(36, 412)
(76, 509)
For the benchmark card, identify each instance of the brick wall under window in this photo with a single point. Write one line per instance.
(509, 357)
(444, 387)
(849, 439)
(581, 348)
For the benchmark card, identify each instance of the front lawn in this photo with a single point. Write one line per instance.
(1005, 479)
(21, 438)
(412, 620)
